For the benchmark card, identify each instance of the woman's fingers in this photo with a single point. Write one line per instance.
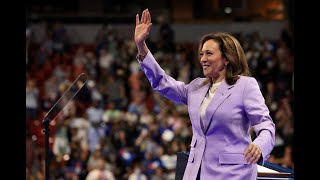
(252, 153)
(143, 25)
(149, 26)
(254, 158)
(148, 17)
(137, 19)
(143, 18)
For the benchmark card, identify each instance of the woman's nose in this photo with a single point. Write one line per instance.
(203, 59)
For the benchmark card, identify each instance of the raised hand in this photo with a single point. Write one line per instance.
(142, 28)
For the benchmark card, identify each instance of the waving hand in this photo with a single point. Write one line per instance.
(142, 31)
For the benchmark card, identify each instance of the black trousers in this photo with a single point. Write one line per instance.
(182, 160)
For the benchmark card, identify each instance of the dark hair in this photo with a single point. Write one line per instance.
(232, 51)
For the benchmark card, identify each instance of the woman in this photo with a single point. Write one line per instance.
(222, 107)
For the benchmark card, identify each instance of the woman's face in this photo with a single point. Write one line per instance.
(211, 59)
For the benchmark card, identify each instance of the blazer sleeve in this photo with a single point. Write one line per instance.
(163, 83)
(259, 116)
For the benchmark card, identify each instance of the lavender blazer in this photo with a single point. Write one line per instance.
(232, 111)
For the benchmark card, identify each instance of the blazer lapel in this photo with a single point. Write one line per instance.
(197, 99)
(223, 91)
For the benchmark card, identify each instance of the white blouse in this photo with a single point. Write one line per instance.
(211, 92)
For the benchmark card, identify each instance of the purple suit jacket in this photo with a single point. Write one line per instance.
(232, 111)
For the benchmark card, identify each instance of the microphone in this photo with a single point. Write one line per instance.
(67, 96)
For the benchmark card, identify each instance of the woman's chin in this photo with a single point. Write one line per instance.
(206, 74)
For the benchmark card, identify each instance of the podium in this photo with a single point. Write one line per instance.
(268, 171)
(272, 171)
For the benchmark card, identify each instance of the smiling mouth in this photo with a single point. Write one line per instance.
(205, 66)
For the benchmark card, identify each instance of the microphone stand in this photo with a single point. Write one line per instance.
(69, 94)
(46, 130)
